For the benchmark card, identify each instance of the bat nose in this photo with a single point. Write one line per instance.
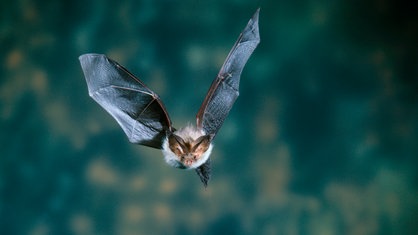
(188, 162)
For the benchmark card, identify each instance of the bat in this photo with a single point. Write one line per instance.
(144, 119)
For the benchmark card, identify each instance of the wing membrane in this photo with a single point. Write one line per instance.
(225, 88)
(137, 109)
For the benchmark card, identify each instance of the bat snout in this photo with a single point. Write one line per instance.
(189, 159)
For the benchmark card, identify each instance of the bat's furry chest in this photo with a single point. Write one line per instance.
(179, 156)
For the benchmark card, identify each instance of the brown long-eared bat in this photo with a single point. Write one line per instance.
(145, 120)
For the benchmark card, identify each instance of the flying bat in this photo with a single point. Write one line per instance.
(143, 117)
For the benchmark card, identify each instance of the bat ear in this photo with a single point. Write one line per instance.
(175, 138)
(176, 144)
(202, 143)
(203, 172)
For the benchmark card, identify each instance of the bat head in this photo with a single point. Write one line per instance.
(187, 148)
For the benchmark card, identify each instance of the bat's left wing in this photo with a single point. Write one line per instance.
(224, 89)
(137, 109)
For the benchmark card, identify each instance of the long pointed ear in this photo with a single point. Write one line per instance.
(203, 171)
(176, 144)
(202, 143)
(178, 139)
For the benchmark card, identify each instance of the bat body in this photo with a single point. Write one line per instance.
(145, 120)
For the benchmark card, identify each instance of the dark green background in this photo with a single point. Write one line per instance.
(322, 140)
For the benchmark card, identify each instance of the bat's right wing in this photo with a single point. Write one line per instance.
(224, 89)
(137, 109)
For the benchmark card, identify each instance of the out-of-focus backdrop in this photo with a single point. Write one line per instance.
(322, 140)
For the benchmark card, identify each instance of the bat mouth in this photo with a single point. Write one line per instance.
(188, 161)
(194, 162)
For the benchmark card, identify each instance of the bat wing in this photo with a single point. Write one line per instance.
(137, 109)
(224, 89)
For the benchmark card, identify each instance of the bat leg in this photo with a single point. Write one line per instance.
(203, 172)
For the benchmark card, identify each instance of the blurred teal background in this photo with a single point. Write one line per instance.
(322, 140)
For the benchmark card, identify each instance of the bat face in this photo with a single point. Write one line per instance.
(144, 119)
(187, 148)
